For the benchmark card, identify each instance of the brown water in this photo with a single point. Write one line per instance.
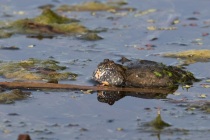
(58, 115)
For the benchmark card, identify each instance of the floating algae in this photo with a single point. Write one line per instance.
(34, 69)
(197, 55)
(12, 96)
(50, 17)
(191, 56)
(47, 23)
(95, 6)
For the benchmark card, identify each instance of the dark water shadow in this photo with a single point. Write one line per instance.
(110, 97)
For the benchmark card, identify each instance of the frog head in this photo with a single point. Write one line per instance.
(109, 73)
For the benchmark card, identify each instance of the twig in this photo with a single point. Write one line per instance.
(39, 85)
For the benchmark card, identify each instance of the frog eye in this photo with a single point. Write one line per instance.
(106, 60)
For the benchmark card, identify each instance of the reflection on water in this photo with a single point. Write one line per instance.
(110, 97)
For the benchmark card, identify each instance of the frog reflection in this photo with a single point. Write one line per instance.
(110, 97)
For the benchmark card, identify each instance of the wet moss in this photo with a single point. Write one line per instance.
(95, 6)
(12, 96)
(191, 56)
(35, 69)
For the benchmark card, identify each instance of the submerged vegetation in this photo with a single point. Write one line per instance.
(34, 69)
(13, 95)
(90, 37)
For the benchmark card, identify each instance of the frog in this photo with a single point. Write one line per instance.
(141, 73)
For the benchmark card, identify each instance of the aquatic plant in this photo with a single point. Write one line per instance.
(190, 56)
(9, 97)
(48, 23)
(95, 6)
(35, 69)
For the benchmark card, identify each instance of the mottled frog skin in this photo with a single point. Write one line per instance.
(141, 73)
(109, 73)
